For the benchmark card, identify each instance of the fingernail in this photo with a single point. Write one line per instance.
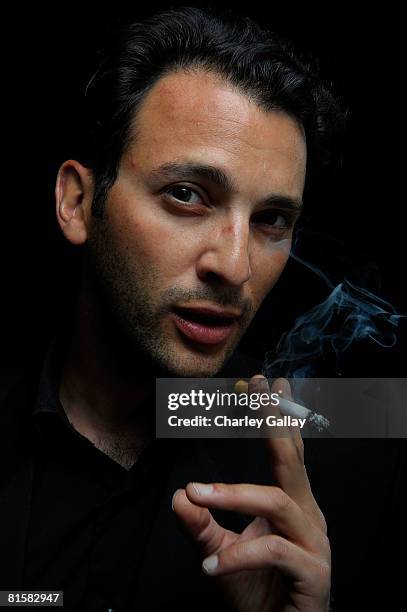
(173, 497)
(283, 388)
(202, 489)
(258, 381)
(241, 387)
(210, 564)
(286, 389)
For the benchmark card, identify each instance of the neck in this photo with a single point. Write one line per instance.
(106, 393)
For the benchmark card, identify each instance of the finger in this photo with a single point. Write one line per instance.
(282, 387)
(268, 502)
(289, 437)
(287, 454)
(258, 384)
(200, 523)
(294, 481)
(273, 551)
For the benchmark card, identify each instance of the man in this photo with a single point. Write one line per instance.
(202, 134)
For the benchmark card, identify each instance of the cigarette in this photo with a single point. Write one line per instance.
(289, 408)
(292, 409)
(297, 410)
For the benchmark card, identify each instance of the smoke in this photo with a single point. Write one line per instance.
(350, 314)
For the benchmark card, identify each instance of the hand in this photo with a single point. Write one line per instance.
(281, 562)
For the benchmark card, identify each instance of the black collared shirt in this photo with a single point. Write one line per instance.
(93, 523)
(90, 517)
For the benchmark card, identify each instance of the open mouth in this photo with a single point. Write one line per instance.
(203, 327)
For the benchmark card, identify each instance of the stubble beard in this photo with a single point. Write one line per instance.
(122, 289)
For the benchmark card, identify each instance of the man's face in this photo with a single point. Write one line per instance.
(199, 220)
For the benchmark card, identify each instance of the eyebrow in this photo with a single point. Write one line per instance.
(174, 171)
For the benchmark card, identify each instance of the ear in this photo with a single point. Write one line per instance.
(73, 197)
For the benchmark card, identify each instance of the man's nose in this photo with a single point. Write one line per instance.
(226, 257)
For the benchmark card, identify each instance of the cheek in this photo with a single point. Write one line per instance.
(150, 241)
(267, 269)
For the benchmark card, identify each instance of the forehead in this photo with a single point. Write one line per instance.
(198, 116)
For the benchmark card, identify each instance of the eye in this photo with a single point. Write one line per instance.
(274, 219)
(184, 194)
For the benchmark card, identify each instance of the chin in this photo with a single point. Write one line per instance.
(189, 365)
(184, 360)
(204, 370)
(198, 366)
(201, 373)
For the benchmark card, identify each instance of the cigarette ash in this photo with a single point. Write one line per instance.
(318, 421)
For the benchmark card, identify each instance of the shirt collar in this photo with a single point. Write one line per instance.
(47, 400)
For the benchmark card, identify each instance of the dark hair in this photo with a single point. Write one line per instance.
(259, 63)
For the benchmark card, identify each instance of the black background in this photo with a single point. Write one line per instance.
(48, 57)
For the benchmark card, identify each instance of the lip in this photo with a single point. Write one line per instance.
(213, 311)
(203, 332)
